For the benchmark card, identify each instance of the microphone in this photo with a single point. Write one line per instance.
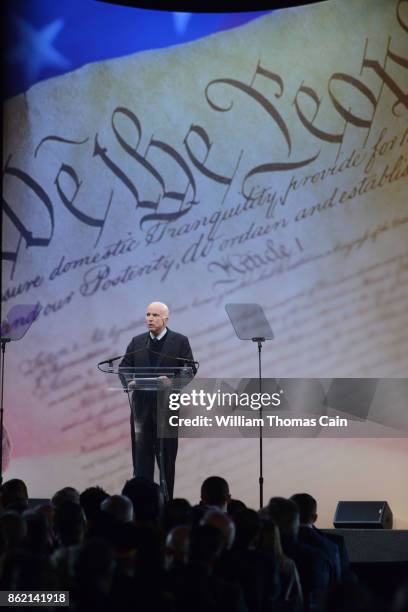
(109, 362)
(185, 360)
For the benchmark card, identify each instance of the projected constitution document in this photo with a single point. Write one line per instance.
(266, 164)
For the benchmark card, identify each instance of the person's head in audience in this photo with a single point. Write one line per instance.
(47, 510)
(285, 514)
(215, 492)
(247, 526)
(146, 542)
(94, 569)
(14, 495)
(176, 512)
(67, 494)
(27, 571)
(218, 519)
(37, 539)
(119, 507)
(91, 500)
(207, 544)
(15, 528)
(177, 546)
(69, 524)
(269, 537)
(146, 498)
(307, 506)
(234, 506)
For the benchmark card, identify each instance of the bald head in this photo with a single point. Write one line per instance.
(118, 506)
(159, 307)
(221, 521)
(177, 545)
(157, 315)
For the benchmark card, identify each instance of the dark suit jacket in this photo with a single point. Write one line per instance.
(347, 575)
(311, 536)
(312, 565)
(175, 353)
(175, 349)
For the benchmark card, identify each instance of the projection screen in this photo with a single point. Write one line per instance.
(263, 164)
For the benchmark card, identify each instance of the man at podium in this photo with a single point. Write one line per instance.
(158, 348)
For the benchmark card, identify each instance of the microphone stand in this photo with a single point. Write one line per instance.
(261, 480)
(250, 323)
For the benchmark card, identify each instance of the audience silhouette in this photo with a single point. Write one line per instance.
(132, 552)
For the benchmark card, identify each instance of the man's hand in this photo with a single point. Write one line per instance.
(164, 381)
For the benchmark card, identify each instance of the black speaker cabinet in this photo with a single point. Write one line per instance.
(363, 515)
